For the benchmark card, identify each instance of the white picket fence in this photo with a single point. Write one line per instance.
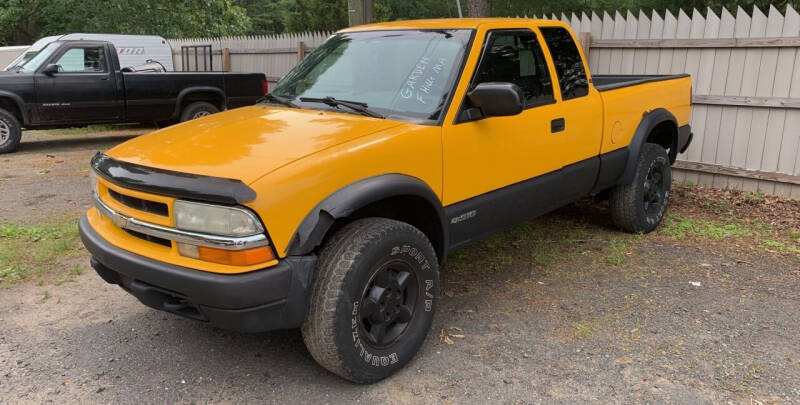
(745, 76)
(273, 55)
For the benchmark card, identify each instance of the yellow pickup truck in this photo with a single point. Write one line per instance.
(332, 204)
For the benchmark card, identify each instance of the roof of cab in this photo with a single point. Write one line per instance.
(452, 23)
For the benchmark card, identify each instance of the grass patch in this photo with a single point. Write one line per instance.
(616, 252)
(679, 227)
(583, 330)
(28, 252)
(775, 245)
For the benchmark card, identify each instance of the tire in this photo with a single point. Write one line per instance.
(640, 206)
(353, 297)
(198, 109)
(10, 132)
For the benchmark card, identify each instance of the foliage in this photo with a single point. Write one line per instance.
(24, 21)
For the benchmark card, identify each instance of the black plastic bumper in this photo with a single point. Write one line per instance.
(257, 301)
(685, 136)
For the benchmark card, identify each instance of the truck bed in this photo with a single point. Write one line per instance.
(611, 82)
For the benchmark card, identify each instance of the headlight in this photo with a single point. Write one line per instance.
(215, 219)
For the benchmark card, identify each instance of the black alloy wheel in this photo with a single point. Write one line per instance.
(388, 303)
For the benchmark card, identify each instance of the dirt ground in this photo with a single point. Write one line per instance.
(560, 309)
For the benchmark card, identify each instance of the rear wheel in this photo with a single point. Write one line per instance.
(10, 132)
(640, 206)
(373, 299)
(198, 109)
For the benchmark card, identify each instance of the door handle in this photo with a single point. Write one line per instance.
(557, 125)
(104, 78)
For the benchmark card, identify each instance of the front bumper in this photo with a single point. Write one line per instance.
(256, 301)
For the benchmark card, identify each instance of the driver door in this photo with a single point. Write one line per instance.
(83, 91)
(495, 168)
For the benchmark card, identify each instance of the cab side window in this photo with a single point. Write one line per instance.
(83, 60)
(514, 56)
(568, 62)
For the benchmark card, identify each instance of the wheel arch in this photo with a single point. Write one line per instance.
(14, 104)
(394, 196)
(213, 95)
(657, 126)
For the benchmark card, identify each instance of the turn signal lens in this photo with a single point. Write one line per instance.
(246, 257)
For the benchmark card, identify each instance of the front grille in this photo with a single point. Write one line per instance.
(160, 241)
(140, 204)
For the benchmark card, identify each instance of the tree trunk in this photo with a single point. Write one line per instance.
(479, 8)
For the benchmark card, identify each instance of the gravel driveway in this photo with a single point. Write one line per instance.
(561, 309)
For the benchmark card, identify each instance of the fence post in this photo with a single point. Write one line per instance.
(585, 39)
(301, 51)
(226, 59)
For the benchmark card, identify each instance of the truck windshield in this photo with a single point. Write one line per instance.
(405, 74)
(32, 64)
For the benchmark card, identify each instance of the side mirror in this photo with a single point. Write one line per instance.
(494, 99)
(51, 69)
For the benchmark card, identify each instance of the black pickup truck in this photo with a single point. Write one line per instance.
(78, 83)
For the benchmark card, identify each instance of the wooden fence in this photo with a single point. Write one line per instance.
(745, 77)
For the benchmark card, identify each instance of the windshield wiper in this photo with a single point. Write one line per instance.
(357, 106)
(278, 99)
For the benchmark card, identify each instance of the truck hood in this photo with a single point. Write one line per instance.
(246, 143)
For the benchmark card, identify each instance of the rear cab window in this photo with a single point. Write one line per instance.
(568, 62)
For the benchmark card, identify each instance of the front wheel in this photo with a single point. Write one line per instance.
(10, 132)
(640, 206)
(373, 299)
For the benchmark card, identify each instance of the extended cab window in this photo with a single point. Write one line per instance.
(88, 60)
(568, 62)
(515, 57)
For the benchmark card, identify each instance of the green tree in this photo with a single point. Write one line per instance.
(316, 15)
(267, 16)
(24, 21)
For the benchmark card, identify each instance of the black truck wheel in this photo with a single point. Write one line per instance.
(10, 132)
(639, 207)
(372, 300)
(198, 109)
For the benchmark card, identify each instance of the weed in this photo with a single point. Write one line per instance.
(583, 330)
(753, 196)
(616, 254)
(45, 295)
(794, 234)
(679, 227)
(471, 289)
(76, 270)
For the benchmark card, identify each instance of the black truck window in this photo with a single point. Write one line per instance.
(568, 62)
(514, 56)
(87, 60)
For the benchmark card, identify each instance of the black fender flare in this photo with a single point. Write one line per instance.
(350, 198)
(198, 89)
(649, 121)
(19, 102)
